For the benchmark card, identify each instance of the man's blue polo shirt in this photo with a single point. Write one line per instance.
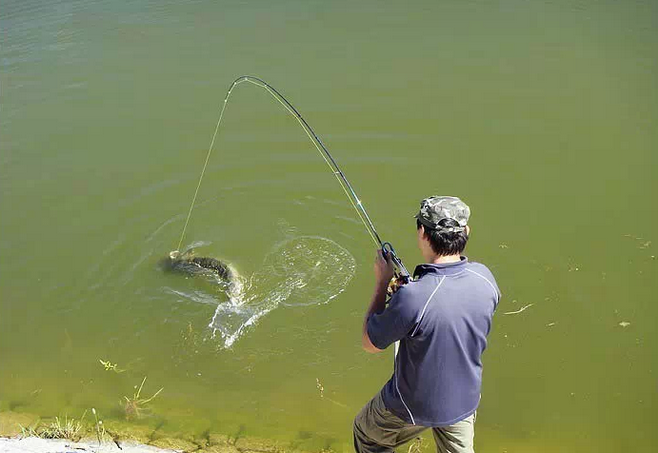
(442, 320)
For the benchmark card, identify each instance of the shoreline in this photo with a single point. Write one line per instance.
(19, 432)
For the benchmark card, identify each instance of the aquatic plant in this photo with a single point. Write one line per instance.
(135, 407)
(416, 446)
(320, 387)
(109, 366)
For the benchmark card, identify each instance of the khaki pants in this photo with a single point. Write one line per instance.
(377, 430)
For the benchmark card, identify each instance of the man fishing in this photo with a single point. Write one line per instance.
(441, 319)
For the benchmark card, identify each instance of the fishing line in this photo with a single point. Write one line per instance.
(322, 149)
(319, 145)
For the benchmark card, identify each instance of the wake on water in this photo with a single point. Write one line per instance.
(304, 270)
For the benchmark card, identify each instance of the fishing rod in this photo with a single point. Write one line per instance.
(402, 275)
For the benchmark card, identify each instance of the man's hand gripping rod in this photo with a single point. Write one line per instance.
(401, 275)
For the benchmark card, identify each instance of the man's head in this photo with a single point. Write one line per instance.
(442, 224)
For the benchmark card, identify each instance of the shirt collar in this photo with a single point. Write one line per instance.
(441, 269)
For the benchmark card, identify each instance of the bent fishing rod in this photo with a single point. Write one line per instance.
(401, 273)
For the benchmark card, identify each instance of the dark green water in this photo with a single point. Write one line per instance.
(541, 115)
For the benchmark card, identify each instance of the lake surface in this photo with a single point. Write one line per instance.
(541, 115)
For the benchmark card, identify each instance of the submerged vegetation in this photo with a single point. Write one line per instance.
(417, 445)
(109, 366)
(135, 407)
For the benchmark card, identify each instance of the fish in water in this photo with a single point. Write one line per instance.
(189, 264)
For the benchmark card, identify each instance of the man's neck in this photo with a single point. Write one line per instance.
(443, 259)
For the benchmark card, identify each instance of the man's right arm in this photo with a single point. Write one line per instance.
(377, 305)
(395, 321)
(383, 269)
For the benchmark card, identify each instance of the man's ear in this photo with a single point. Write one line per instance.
(468, 230)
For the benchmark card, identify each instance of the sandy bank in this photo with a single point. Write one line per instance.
(36, 445)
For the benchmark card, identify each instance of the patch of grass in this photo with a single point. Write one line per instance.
(100, 428)
(30, 431)
(71, 429)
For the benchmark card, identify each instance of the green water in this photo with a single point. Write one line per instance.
(541, 115)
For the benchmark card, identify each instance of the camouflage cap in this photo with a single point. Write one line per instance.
(435, 209)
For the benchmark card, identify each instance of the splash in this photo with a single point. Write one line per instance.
(301, 271)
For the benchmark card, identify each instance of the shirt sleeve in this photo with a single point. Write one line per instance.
(395, 322)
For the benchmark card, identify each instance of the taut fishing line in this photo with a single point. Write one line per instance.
(400, 270)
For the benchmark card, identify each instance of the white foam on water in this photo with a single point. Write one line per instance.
(194, 296)
(301, 271)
